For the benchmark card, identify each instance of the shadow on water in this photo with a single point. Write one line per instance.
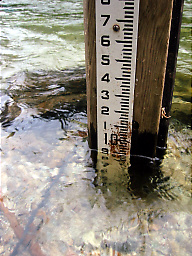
(142, 179)
(148, 178)
(148, 195)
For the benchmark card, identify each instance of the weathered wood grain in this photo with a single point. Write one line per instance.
(90, 60)
(170, 73)
(153, 38)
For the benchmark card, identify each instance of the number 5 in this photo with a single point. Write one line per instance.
(105, 60)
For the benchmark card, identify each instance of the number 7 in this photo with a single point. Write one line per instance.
(107, 18)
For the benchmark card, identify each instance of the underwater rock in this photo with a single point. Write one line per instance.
(9, 113)
(52, 94)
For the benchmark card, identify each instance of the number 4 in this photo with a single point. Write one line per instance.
(105, 78)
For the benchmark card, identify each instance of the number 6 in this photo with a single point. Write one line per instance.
(105, 40)
(105, 1)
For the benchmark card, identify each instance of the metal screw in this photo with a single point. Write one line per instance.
(116, 28)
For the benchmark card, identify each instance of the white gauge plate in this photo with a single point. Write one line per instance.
(116, 49)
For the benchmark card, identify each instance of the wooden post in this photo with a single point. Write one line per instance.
(170, 75)
(90, 57)
(153, 39)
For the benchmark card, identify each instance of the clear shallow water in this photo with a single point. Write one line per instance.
(41, 35)
(53, 202)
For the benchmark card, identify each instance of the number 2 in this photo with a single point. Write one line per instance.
(104, 110)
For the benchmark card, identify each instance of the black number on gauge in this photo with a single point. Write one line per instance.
(105, 151)
(114, 139)
(105, 78)
(105, 60)
(105, 138)
(107, 16)
(105, 40)
(105, 2)
(105, 95)
(105, 110)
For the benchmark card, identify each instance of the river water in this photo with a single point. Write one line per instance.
(53, 200)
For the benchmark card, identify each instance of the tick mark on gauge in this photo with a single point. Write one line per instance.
(116, 28)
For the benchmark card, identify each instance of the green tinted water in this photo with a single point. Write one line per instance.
(53, 202)
(181, 108)
(41, 35)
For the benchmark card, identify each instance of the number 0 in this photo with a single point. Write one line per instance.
(114, 139)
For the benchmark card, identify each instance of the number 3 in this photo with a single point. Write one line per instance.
(106, 96)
